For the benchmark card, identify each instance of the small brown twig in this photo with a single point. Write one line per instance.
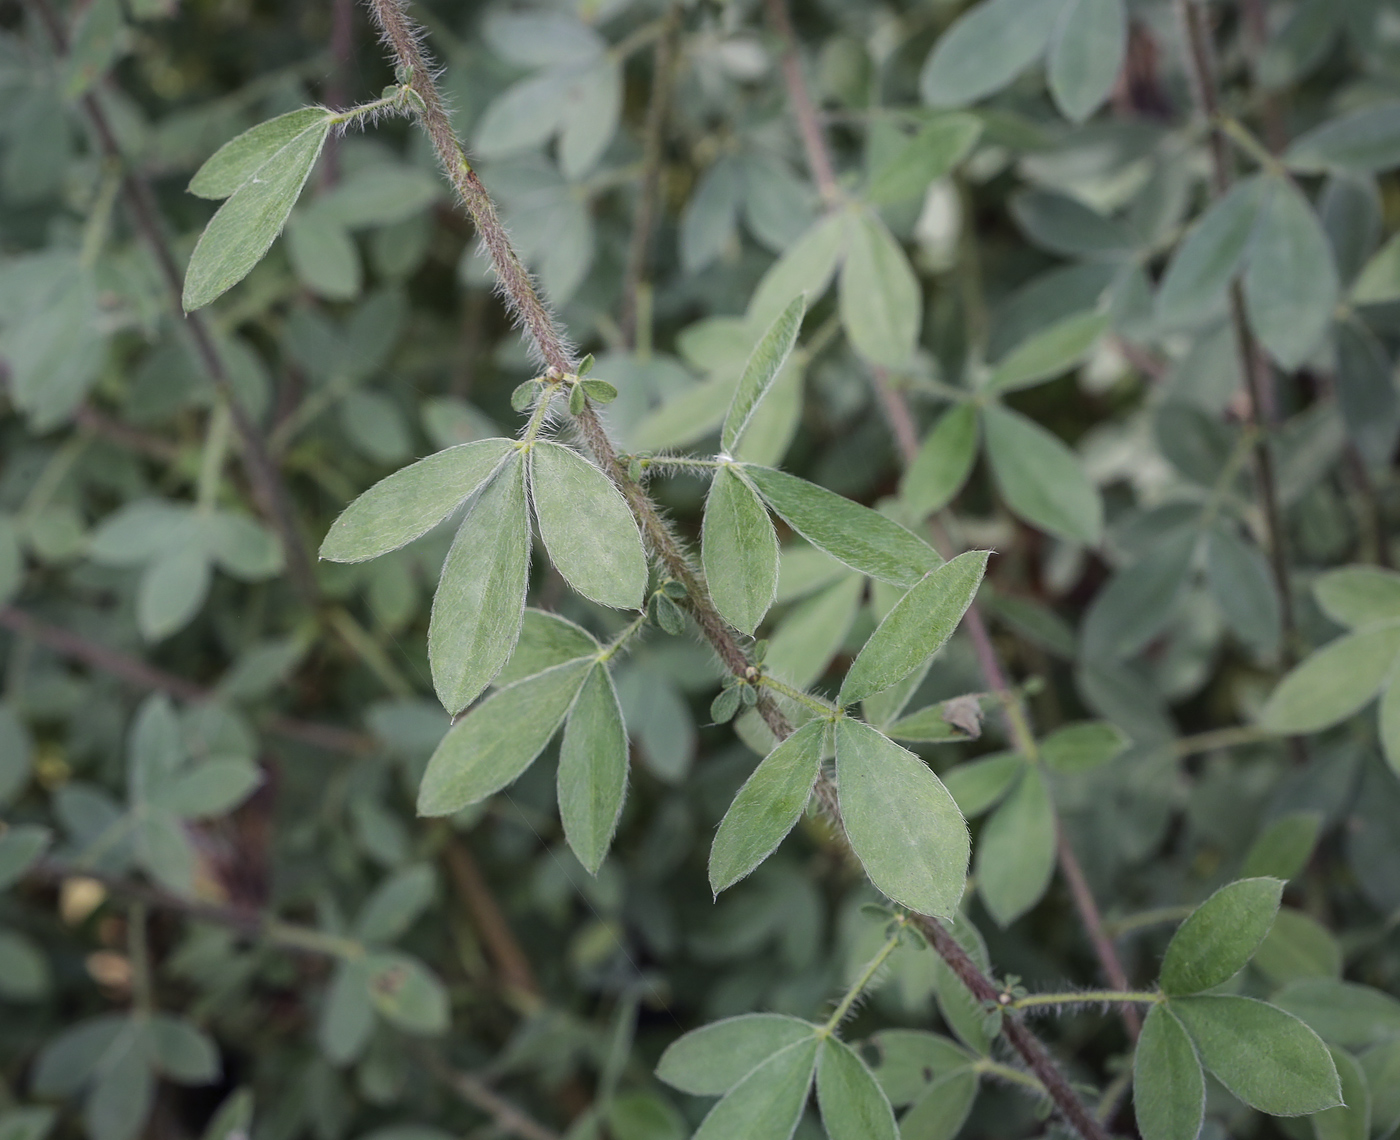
(803, 109)
(512, 966)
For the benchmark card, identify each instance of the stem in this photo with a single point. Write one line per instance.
(310, 940)
(1093, 923)
(858, 986)
(808, 125)
(512, 966)
(1142, 997)
(1119, 927)
(1223, 738)
(816, 704)
(370, 652)
(1006, 1073)
(211, 467)
(140, 955)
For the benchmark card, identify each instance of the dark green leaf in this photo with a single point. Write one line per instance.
(1169, 1089)
(852, 1103)
(739, 550)
(711, 1060)
(1220, 936)
(1016, 850)
(1040, 478)
(985, 49)
(592, 780)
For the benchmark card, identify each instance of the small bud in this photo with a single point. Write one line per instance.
(585, 366)
(674, 589)
(749, 695)
(576, 400)
(760, 650)
(669, 616)
(634, 469)
(525, 395)
(724, 707)
(600, 391)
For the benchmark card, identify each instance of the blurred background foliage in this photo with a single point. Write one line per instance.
(209, 751)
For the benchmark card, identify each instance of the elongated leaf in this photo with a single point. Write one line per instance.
(711, 1060)
(931, 154)
(768, 1103)
(978, 785)
(1283, 848)
(861, 538)
(806, 267)
(1040, 478)
(917, 628)
(767, 807)
(1082, 747)
(587, 527)
(480, 598)
(246, 225)
(1086, 54)
(1266, 1057)
(1298, 946)
(1366, 139)
(493, 744)
(1243, 586)
(1138, 602)
(880, 296)
(956, 719)
(1366, 392)
(20, 846)
(546, 640)
(739, 550)
(769, 356)
(1220, 936)
(410, 502)
(593, 769)
(1379, 279)
(1211, 255)
(1334, 682)
(1381, 1066)
(235, 163)
(985, 49)
(408, 994)
(1359, 596)
(943, 464)
(1169, 1089)
(1016, 850)
(910, 1059)
(1350, 1120)
(1290, 283)
(813, 631)
(1048, 353)
(1390, 723)
(853, 1105)
(942, 1111)
(396, 904)
(1342, 1013)
(903, 825)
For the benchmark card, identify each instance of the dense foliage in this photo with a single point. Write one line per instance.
(925, 664)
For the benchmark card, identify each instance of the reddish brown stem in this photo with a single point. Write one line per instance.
(803, 109)
(512, 966)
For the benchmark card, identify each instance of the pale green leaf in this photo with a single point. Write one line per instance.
(813, 631)
(1283, 848)
(495, 742)
(396, 904)
(1086, 54)
(911, 1059)
(853, 1105)
(1298, 946)
(903, 825)
(1138, 602)
(1334, 682)
(943, 463)
(1366, 139)
(408, 994)
(212, 788)
(246, 225)
(1382, 1068)
(546, 640)
(587, 527)
(739, 551)
(806, 267)
(978, 785)
(347, 1015)
(1390, 723)
(1204, 264)
(1342, 1013)
(1048, 353)
(1220, 936)
(1081, 747)
(171, 592)
(881, 303)
(931, 154)
(985, 49)
(480, 598)
(1379, 280)
(592, 778)
(1016, 850)
(235, 163)
(1169, 1089)
(917, 628)
(1358, 596)
(24, 976)
(767, 807)
(11, 561)
(324, 256)
(409, 503)
(16, 754)
(711, 1060)
(182, 1053)
(20, 845)
(854, 535)
(1040, 478)
(1350, 1120)
(1243, 587)
(942, 1111)
(119, 1102)
(957, 719)
(767, 360)
(768, 1103)
(1266, 1057)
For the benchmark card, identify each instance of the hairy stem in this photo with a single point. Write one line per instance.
(1031, 1001)
(867, 975)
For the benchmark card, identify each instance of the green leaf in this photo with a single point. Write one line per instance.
(587, 527)
(494, 743)
(911, 1059)
(1138, 602)
(1283, 849)
(813, 631)
(1334, 682)
(381, 195)
(1169, 1089)
(806, 267)
(406, 993)
(903, 825)
(1367, 139)
(767, 807)
(1048, 353)
(233, 1117)
(853, 1105)
(917, 628)
(164, 849)
(739, 550)
(881, 303)
(1381, 1066)
(1298, 946)
(592, 777)
(1342, 1013)
(409, 503)
(1379, 280)
(943, 463)
(931, 154)
(1204, 264)
(1040, 478)
(978, 785)
(27, 1123)
(119, 1102)
(957, 719)
(1086, 54)
(246, 225)
(1082, 747)
(1063, 224)
(347, 1015)
(1220, 936)
(1264, 1056)
(324, 256)
(1016, 850)
(713, 1059)
(1243, 587)
(172, 590)
(1350, 1120)
(767, 360)
(546, 640)
(24, 976)
(1359, 596)
(854, 535)
(239, 159)
(20, 845)
(1290, 283)
(1390, 723)
(985, 49)
(212, 788)
(1366, 392)
(480, 599)
(11, 561)
(396, 904)
(67, 1061)
(180, 1052)
(942, 1111)
(767, 1104)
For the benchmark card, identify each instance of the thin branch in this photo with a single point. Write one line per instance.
(472, 1089)
(140, 675)
(512, 966)
(401, 36)
(808, 125)
(263, 477)
(1088, 910)
(653, 140)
